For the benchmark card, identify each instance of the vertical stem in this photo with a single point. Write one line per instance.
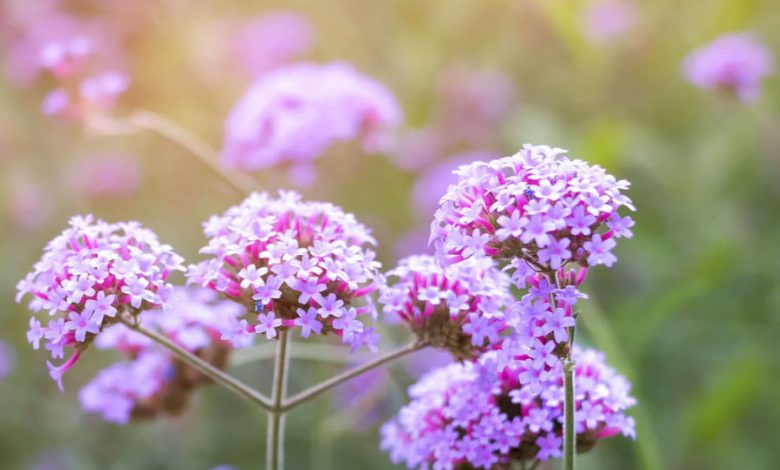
(275, 442)
(569, 435)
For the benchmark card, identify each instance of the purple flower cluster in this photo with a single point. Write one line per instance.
(458, 308)
(467, 415)
(293, 114)
(88, 275)
(537, 205)
(152, 381)
(735, 63)
(292, 263)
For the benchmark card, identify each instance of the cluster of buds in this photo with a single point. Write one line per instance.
(459, 308)
(291, 264)
(152, 381)
(90, 274)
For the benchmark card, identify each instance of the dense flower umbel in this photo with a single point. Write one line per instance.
(87, 275)
(536, 205)
(292, 114)
(458, 308)
(467, 415)
(292, 263)
(736, 63)
(152, 381)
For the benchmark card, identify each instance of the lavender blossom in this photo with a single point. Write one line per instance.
(458, 308)
(735, 63)
(88, 275)
(293, 114)
(469, 414)
(537, 205)
(282, 256)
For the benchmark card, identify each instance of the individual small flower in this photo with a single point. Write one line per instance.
(538, 206)
(459, 308)
(293, 114)
(481, 416)
(151, 380)
(88, 274)
(736, 63)
(271, 40)
(609, 20)
(292, 263)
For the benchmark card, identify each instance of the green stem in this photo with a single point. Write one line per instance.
(275, 443)
(312, 392)
(208, 155)
(218, 376)
(569, 434)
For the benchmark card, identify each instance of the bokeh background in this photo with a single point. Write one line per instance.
(689, 313)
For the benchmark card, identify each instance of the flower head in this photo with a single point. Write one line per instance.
(293, 114)
(736, 63)
(292, 263)
(537, 205)
(481, 416)
(459, 308)
(88, 275)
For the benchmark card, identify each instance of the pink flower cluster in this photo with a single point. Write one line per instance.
(151, 380)
(87, 275)
(459, 308)
(467, 415)
(293, 114)
(292, 263)
(537, 205)
(736, 63)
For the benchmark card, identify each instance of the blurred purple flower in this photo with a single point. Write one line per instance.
(40, 37)
(736, 63)
(609, 20)
(271, 40)
(293, 114)
(100, 175)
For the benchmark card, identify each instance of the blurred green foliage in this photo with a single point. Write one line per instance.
(689, 314)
